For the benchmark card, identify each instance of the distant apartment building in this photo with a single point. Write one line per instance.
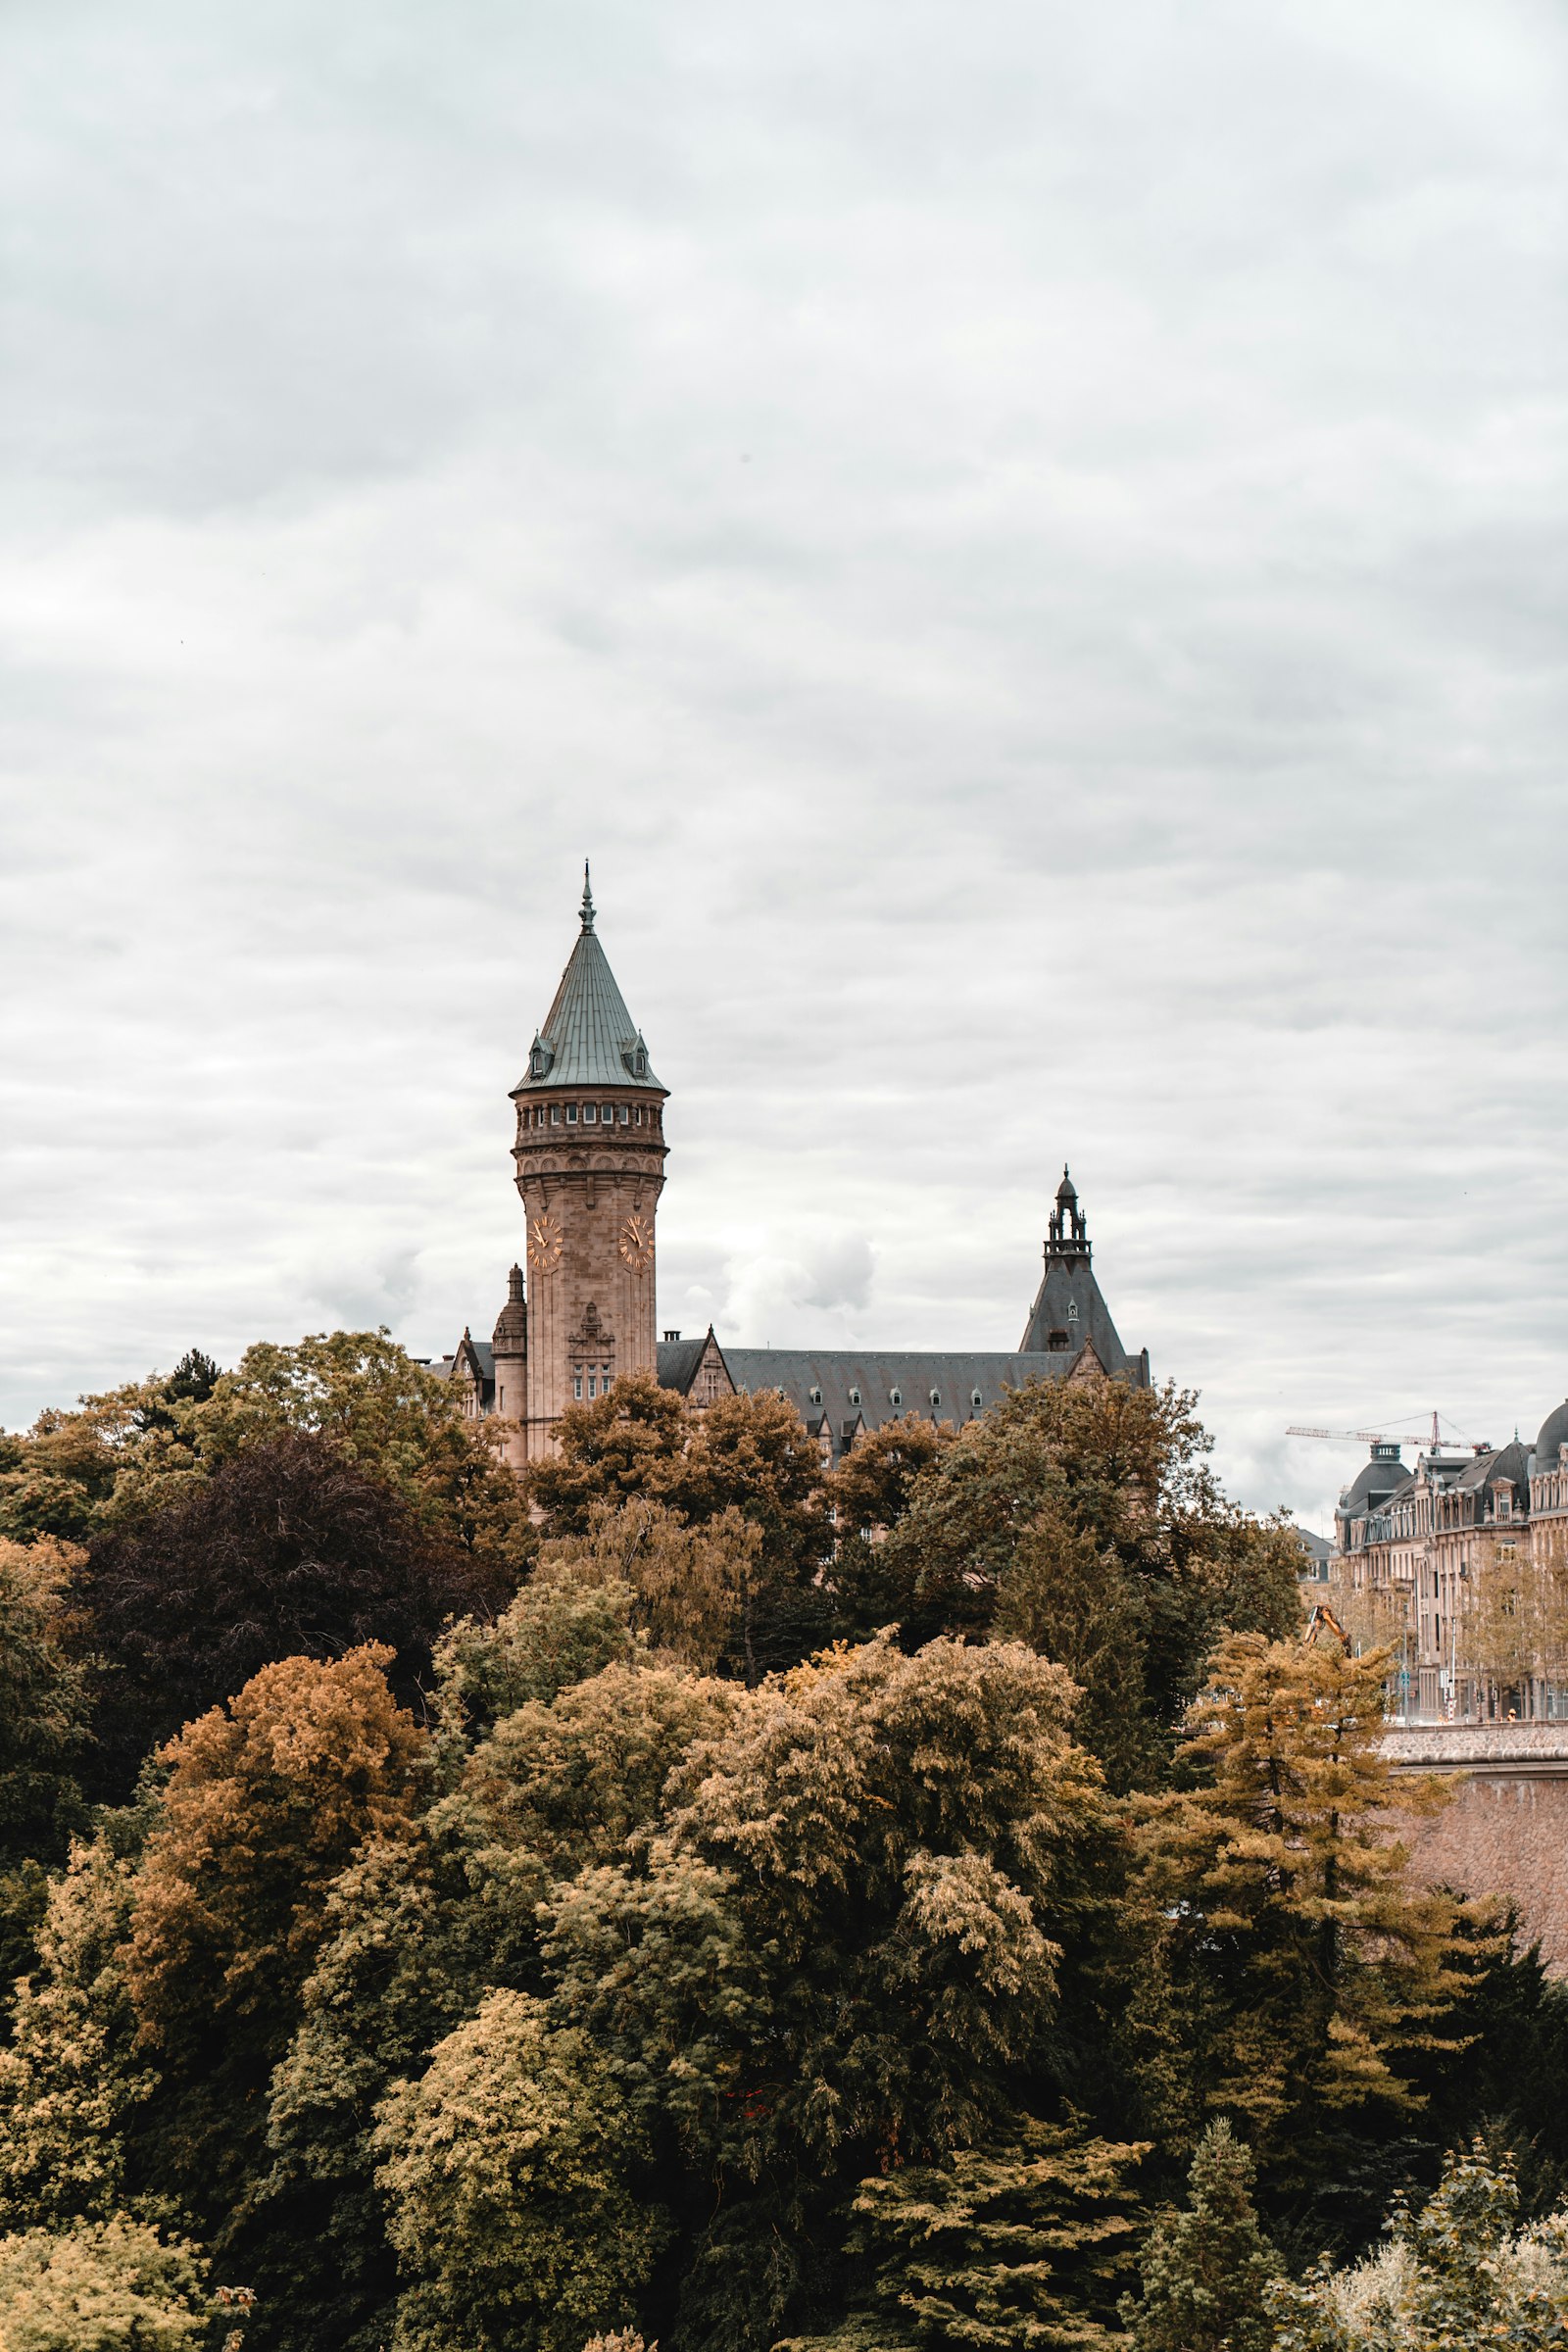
(1460, 1561)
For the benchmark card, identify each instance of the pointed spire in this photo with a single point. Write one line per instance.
(588, 1038)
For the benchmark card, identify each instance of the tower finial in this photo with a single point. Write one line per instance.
(587, 900)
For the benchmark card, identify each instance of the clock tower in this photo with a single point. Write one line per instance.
(590, 1152)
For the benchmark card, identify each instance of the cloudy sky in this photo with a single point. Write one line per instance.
(1027, 542)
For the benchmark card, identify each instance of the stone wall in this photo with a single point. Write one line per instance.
(1506, 1831)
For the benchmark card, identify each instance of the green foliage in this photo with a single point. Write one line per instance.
(743, 1458)
(845, 1950)
(1016, 2248)
(1207, 2270)
(147, 1445)
(692, 1585)
(43, 1712)
(508, 2169)
(1314, 1978)
(1456, 2275)
(104, 2286)
(286, 1550)
(1082, 1516)
(74, 2083)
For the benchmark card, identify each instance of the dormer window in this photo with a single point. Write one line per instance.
(1072, 1311)
(855, 1395)
(895, 1397)
(936, 1397)
(540, 1059)
(817, 1396)
(975, 1399)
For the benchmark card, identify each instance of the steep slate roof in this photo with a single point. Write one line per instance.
(588, 1035)
(1069, 1282)
(678, 1361)
(876, 1373)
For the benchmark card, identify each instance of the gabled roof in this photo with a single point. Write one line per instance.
(588, 1038)
(679, 1361)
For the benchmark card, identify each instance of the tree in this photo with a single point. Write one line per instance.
(1016, 2248)
(1313, 1976)
(43, 1711)
(1084, 1513)
(743, 1455)
(693, 1585)
(424, 1923)
(287, 1549)
(509, 2167)
(1456, 2274)
(143, 1448)
(1207, 2270)
(847, 1948)
(262, 1808)
(109, 2286)
(869, 1494)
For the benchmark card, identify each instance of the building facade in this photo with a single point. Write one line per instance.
(1461, 1562)
(590, 1150)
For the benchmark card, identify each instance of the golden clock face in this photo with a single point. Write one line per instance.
(637, 1244)
(544, 1244)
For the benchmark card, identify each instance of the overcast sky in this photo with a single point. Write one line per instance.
(1027, 542)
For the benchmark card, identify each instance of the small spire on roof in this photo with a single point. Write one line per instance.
(587, 900)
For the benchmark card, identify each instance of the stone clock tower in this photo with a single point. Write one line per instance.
(590, 1155)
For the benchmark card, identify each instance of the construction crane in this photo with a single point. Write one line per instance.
(1347, 1437)
(1436, 1444)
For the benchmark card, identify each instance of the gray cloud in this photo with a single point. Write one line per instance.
(1027, 545)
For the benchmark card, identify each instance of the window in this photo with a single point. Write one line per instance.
(606, 1114)
(571, 1115)
(593, 1384)
(554, 1114)
(855, 1395)
(625, 1115)
(975, 1399)
(895, 1396)
(576, 1386)
(936, 1396)
(817, 1396)
(639, 1114)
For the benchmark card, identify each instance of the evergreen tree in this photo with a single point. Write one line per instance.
(1314, 1978)
(1016, 2248)
(1205, 2270)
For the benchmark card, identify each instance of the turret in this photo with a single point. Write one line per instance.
(590, 1155)
(509, 1347)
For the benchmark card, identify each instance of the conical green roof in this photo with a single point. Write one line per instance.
(588, 1038)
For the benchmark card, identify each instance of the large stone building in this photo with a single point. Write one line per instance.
(1462, 1561)
(590, 1153)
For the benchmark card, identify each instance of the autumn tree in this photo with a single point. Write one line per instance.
(286, 1550)
(1206, 2270)
(1313, 1977)
(424, 1922)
